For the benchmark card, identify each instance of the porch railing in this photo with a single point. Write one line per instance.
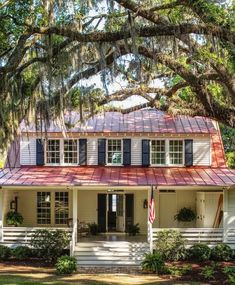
(209, 236)
(22, 235)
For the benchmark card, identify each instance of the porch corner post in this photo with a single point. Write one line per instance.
(75, 220)
(225, 216)
(150, 227)
(1, 214)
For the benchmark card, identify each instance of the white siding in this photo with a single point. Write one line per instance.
(28, 151)
(92, 151)
(201, 151)
(136, 151)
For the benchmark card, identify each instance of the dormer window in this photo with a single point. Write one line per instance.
(158, 152)
(70, 151)
(114, 149)
(53, 152)
(176, 152)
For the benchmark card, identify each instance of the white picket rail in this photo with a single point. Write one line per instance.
(209, 236)
(22, 235)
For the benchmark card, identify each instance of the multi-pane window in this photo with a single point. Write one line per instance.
(176, 151)
(158, 152)
(53, 151)
(114, 151)
(43, 208)
(70, 151)
(61, 208)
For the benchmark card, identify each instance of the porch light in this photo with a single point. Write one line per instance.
(145, 204)
(14, 204)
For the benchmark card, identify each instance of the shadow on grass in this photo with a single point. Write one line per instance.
(6, 279)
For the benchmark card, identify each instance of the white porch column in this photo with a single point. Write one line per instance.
(150, 228)
(75, 219)
(1, 214)
(225, 216)
(229, 213)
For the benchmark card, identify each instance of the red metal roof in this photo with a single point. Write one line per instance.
(142, 121)
(117, 176)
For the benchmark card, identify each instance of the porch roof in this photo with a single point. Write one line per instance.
(116, 176)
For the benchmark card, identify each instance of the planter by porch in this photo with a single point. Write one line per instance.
(14, 219)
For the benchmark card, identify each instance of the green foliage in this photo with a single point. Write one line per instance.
(133, 230)
(14, 218)
(22, 252)
(50, 244)
(154, 262)
(185, 215)
(179, 270)
(229, 271)
(94, 228)
(221, 252)
(208, 272)
(66, 265)
(5, 252)
(200, 252)
(171, 244)
(231, 159)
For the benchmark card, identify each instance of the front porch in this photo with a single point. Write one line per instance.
(123, 206)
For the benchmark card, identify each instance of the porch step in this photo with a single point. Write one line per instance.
(110, 253)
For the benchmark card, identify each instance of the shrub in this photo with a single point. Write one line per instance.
(14, 218)
(222, 252)
(153, 262)
(66, 265)
(133, 230)
(171, 245)
(50, 244)
(200, 252)
(229, 271)
(5, 252)
(21, 252)
(208, 272)
(179, 271)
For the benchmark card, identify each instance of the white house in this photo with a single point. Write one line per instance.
(103, 170)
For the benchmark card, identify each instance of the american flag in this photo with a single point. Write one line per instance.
(151, 208)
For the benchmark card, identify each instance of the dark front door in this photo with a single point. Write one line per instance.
(112, 212)
(102, 212)
(129, 210)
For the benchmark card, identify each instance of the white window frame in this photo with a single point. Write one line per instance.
(45, 151)
(54, 208)
(168, 151)
(155, 164)
(114, 164)
(50, 208)
(62, 163)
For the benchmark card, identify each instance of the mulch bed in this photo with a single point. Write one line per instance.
(35, 265)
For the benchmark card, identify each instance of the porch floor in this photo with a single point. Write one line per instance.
(112, 237)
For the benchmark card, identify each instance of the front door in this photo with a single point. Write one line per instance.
(102, 212)
(112, 212)
(129, 209)
(120, 222)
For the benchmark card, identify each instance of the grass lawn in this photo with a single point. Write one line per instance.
(84, 279)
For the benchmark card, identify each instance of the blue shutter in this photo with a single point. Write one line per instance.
(188, 152)
(101, 151)
(126, 151)
(39, 152)
(145, 152)
(83, 151)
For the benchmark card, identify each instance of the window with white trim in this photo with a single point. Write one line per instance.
(43, 208)
(158, 152)
(70, 151)
(53, 152)
(176, 152)
(61, 208)
(114, 150)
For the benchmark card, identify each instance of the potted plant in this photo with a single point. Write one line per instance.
(93, 228)
(185, 215)
(14, 218)
(133, 230)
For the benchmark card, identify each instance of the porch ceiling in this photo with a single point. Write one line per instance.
(116, 176)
